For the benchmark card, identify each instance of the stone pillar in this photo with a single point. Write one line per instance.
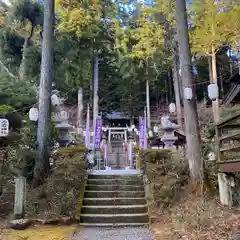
(225, 185)
(20, 194)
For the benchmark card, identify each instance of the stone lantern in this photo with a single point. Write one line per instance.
(168, 127)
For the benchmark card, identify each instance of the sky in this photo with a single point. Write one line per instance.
(5, 1)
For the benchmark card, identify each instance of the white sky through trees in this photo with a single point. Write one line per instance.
(5, 1)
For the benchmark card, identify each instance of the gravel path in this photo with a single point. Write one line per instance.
(119, 233)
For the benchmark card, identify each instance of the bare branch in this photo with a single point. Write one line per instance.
(7, 70)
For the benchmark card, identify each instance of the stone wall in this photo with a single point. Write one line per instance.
(165, 173)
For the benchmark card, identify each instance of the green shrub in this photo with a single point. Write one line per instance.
(166, 172)
(62, 191)
(29, 134)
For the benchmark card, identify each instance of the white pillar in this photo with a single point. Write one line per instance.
(20, 194)
(130, 145)
(225, 190)
(109, 135)
(125, 135)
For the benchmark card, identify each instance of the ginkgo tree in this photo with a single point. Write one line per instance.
(25, 17)
(144, 42)
(214, 25)
(88, 21)
(163, 12)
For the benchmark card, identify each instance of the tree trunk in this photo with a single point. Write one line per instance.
(166, 93)
(148, 105)
(170, 86)
(177, 90)
(23, 64)
(44, 121)
(215, 104)
(239, 62)
(230, 64)
(190, 107)
(131, 119)
(80, 111)
(221, 83)
(210, 69)
(95, 93)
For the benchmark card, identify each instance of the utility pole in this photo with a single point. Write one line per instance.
(190, 106)
(44, 121)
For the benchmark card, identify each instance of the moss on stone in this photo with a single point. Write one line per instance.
(59, 196)
(165, 173)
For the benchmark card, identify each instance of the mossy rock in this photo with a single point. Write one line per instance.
(155, 156)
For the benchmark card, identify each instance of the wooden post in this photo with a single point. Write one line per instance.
(20, 193)
(225, 190)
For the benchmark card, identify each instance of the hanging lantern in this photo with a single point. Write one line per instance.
(172, 108)
(4, 127)
(55, 100)
(150, 133)
(213, 91)
(64, 115)
(136, 131)
(33, 114)
(155, 128)
(188, 94)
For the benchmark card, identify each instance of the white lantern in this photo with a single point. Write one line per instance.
(188, 94)
(213, 91)
(64, 115)
(55, 100)
(150, 133)
(33, 114)
(211, 156)
(155, 128)
(172, 108)
(4, 127)
(131, 128)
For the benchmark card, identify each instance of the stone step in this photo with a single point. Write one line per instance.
(114, 188)
(133, 177)
(113, 201)
(114, 224)
(115, 218)
(115, 182)
(126, 209)
(113, 194)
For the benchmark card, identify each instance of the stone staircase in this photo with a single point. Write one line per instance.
(114, 200)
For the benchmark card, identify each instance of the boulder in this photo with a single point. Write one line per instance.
(20, 224)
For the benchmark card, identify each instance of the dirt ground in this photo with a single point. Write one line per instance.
(196, 218)
(39, 233)
(192, 218)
